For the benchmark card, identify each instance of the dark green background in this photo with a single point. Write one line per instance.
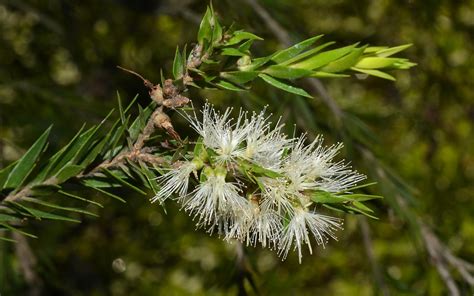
(57, 65)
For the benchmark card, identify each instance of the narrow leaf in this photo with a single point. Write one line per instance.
(205, 28)
(232, 52)
(286, 72)
(386, 52)
(229, 86)
(5, 172)
(123, 182)
(307, 53)
(55, 206)
(239, 77)
(344, 62)
(286, 54)
(27, 162)
(239, 36)
(324, 58)
(278, 84)
(178, 65)
(376, 73)
(80, 198)
(68, 171)
(376, 62)
(17, 230)
(110, 194)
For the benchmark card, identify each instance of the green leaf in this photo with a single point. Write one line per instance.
(38, 214)
(320, 196)
(5, 172)
(139, 123)
(239, 36)
(232, 52)
(205, 28)
(386, 52)
(376, 73)
(216, 31)
(91, 155)
(345, 62)
(26, 163)
(286, 72)
(278, 84)
(307, 53)
(358, 187)
(98, 183)
(245, 46)
(256, 63)
(55, 206)
(229, 86)
(359, 211)
(110, 194)
(376, 62)
(80, 198)
(239, 77)
(321, 74)
(286, 54)
(44, 189)
(68, 171)
(150, 176)
(123, 182)
(52, 164)
(178, 65)
(254, 168)
(17, 230)
(362, 207)
(324, 58)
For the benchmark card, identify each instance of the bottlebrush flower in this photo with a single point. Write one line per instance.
(215, 199)
(175, 181)
(258, 226)
(304, 223)
(253, 184)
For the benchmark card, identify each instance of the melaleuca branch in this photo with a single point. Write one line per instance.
(243, 178)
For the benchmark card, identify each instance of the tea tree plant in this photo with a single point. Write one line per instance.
(242, 178)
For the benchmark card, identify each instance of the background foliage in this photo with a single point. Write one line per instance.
(57, 65)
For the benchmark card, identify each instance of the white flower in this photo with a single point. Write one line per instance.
(304, 223)
(220, 133)
(311, 167)
(260, 226)
(264, 145)
(215, 200)
(276, 196)
(176, 180)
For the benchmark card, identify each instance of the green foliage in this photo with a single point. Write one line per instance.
(228, 62)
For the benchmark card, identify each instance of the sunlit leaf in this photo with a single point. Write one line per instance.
(278, 84)
(290, 52)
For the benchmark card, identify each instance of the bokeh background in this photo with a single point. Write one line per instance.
(413, 136)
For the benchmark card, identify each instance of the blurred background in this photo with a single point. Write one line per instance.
(414, 137)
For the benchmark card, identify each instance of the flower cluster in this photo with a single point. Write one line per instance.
(255, 184)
